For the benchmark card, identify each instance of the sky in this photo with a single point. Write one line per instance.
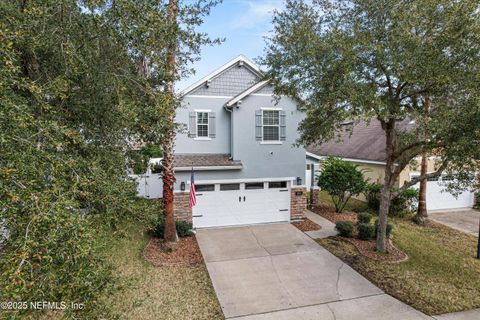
(243, 24)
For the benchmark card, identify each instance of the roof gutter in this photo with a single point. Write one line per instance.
(209, 168)
(312, 155)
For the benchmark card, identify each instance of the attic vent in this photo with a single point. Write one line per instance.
(240, 63)
(208, 83)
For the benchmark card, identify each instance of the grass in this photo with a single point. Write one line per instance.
(352, 204)
(148, 292)
(441, 275)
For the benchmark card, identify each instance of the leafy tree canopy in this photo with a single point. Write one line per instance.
(416, 61)
(80, 83)
(342, 180)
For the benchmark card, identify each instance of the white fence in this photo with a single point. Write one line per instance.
(149, 185)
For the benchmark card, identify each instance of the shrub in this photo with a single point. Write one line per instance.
(341, 180)
(372, 194)
(406, 203)
(344, 228)
(389, 228)
(61, 262)
(184, 229)
(364, 217)
(366, 231)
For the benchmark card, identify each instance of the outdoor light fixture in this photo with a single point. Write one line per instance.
(299, 181)
(182, 186)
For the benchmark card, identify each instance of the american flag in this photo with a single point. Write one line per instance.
(193, 198)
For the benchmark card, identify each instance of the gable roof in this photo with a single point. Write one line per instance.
(366, 142)
(240, 59)
(245, 93)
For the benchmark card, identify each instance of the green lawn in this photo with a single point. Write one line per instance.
(352, 204)
(148, 292)
(440, 276)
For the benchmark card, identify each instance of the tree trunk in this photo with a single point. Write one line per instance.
(382, 218)
(389, 128)
(422, 197)
(170, 231)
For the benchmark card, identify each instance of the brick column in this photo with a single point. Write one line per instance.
(181, 208)
(315, 197)
(298, 203)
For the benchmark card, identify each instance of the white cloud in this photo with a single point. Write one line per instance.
(258, 12)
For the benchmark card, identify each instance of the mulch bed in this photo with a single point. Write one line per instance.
(328, 212)
(367, 249)
(186, 254)
(306, 225)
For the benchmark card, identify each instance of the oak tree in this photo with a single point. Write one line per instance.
(386, 60)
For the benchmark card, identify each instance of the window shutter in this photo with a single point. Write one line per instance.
(211, 124)
(283, 125)
(192, 127)
(258, 125)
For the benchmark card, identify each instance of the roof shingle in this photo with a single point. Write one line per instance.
(204, 160)
(366, 142)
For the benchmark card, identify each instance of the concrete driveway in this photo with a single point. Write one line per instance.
(465, 220)
(275, 271)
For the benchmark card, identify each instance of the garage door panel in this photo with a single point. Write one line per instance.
(438, 198)
(241, 207)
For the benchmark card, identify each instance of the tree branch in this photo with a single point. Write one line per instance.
(400, 88)
(416, 93)
(416, 180)
(387, 76)
(408, 147)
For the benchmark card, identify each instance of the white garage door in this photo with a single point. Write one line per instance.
(439, 199)
(230, 204)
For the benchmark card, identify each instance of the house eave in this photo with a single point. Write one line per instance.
(312, 155)
(218, 71)
(247, 92)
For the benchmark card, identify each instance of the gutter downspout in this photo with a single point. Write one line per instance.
(231, 130)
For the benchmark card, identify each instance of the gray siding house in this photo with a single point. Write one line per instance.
(239, 142)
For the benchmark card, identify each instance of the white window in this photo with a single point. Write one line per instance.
(271, 125)
(202, 124)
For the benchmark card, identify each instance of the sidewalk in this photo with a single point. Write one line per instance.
(328, 228)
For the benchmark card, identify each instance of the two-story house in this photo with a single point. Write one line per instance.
(239, 141)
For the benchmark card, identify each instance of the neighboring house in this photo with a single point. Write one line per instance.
(239, 141)
(366, 147)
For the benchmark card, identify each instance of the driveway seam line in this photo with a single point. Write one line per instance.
(338, 279)
(307, 305)
(331, 310)
(256, 240)
(273, 255)
(281, 282)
